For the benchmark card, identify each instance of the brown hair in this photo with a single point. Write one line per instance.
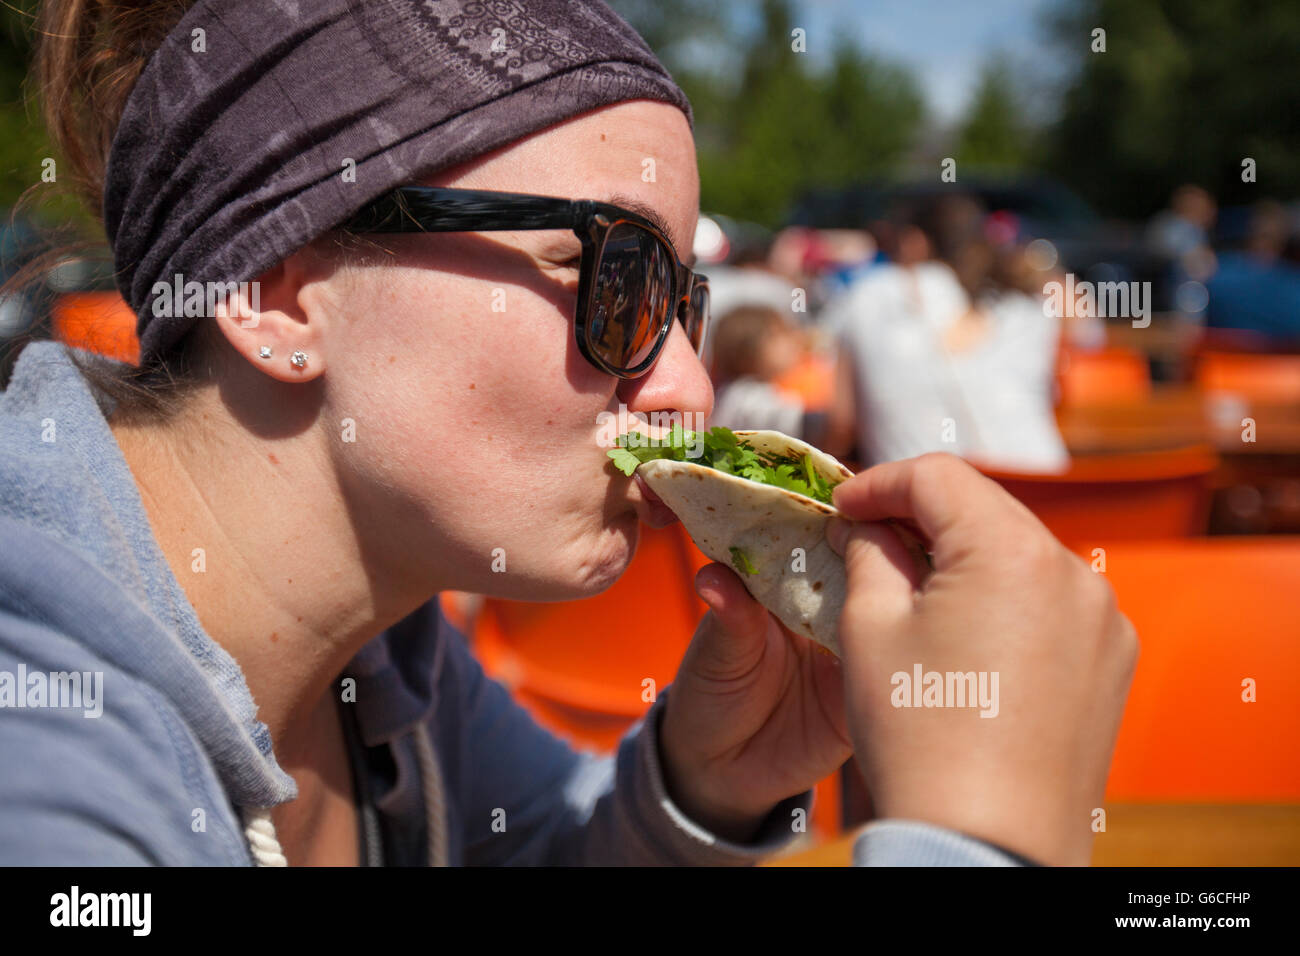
(738, 337)
(954, 224)
(88, 56)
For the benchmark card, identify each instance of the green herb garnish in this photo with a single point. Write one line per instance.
(726, 452)
(740, 561)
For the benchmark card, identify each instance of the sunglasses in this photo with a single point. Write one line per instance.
(631, 284)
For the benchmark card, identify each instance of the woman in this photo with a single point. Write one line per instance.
(955, 353)
(250, 559)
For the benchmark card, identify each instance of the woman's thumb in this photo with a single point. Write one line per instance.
(736, 630)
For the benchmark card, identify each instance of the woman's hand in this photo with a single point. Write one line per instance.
(756, 713)
(1005, 598)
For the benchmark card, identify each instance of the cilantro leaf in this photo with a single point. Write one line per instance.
(624, 460)
(727, 452)
(740, 561)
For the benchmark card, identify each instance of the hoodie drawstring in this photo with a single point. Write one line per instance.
(265, 846)
(432, 789)
(260, 833)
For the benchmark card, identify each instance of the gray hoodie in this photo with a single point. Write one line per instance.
(129, 736)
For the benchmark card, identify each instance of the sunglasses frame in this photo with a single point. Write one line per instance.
(410, 209)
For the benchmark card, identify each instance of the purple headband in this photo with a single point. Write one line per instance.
(231, 152)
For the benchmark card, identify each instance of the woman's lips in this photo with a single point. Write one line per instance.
(653, 511)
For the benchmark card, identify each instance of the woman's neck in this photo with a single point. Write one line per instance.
(255, 532)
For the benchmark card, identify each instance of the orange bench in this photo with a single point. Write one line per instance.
(1102, 376)
(1255, 378)
(1209, 614)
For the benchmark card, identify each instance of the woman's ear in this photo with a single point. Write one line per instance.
(277, 322)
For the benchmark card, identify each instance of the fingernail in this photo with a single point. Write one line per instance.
(704, 588)
(837, 533)
(708, 597)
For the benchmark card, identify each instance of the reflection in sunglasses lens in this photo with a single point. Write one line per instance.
(634, 280)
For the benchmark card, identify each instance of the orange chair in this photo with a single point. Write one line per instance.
(580, 668)
(1258, 378)
(1103, 376)
(1100, 498)
(1210, 614)
(99, 322)
(591, 656)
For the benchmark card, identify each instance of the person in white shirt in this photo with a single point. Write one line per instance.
(953, 354)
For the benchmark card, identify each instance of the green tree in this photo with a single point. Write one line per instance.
(671, 27)
(994, 134)
(788, 120)
(23, 139)
(1183, 93)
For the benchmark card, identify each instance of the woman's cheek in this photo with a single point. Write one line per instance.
(568, 538)
(486, 425)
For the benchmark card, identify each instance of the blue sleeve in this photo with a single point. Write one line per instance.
(115, 789)
(912, 843)
(524, 796)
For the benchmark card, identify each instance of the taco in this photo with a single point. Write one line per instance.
(758, 501)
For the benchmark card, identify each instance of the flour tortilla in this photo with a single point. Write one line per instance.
(722, 511)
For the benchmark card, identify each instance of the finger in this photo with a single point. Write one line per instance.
(891, 543)
(740, 622)
(882, 574)
(951, 502)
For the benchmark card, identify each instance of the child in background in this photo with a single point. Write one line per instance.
(754, 347)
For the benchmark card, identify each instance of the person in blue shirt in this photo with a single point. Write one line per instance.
(1253, 288)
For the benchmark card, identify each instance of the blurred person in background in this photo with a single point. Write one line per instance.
(901, 269)
(755, 347)
(1254, 289)
(790, 274)
(747, 279)
(819, 262)
(839, 258)
(951, 349)
(1182, 232)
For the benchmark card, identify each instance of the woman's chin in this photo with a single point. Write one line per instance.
(607, 561)
(598, 568)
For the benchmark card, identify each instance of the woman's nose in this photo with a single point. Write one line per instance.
(676, 382)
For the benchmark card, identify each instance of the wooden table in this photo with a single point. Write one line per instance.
(1266, 469)
(1167, 341)
(1177, 415)
(1154, 835)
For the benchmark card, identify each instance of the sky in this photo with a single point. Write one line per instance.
(944, 42)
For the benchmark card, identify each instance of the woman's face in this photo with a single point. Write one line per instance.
(476, 463)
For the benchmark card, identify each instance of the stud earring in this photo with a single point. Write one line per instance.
(299, 359)
(264, 351)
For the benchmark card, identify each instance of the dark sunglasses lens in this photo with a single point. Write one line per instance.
(631, 300)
